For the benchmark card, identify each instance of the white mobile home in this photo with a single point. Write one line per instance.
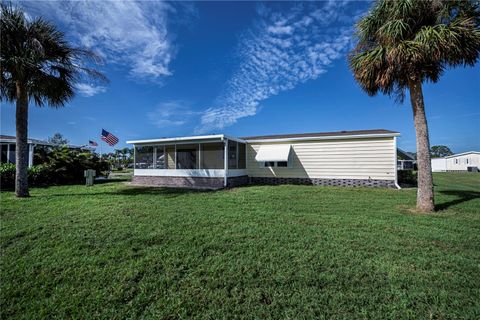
(344, 158)
(457, 162)
(8, 148)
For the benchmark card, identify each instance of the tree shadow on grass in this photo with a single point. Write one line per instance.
(110, 180)
(462, 196)
(132, 191)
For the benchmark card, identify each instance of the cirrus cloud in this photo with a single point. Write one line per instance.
(280, 52)
(126, 33)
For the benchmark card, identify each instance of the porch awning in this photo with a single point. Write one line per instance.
(279, 152)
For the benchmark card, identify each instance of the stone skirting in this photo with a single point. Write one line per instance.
(218, 183)
(233, 182)
(325, 182)
(189, 182)
(179, 182)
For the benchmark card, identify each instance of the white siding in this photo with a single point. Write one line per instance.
(439, 165)
(369, 158)
(459, 163)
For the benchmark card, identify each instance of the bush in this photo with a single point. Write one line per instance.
(63, 166)
(7, 176)
(407, 177)
(68, 165)
(40, 175)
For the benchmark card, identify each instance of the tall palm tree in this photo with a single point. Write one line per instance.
(37, 64)
(402, 44)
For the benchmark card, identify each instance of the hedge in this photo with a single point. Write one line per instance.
(63, 166)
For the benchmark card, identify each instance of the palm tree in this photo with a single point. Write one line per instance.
(402, 44)
(39, 65)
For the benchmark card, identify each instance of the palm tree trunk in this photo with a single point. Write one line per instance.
(21, 154)
(425, 201)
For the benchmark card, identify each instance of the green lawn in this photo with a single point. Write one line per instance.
(290, 252)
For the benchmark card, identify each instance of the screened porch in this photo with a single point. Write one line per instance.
(206, 156)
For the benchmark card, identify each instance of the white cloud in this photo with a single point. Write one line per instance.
(88, 90)
(282, 51)
(171, 113)
(125, 32)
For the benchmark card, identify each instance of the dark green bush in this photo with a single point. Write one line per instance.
(407, 177)
(7, 175)
(63, 166)
(40, 175)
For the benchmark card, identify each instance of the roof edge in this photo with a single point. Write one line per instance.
(459, 154)
(339, 137)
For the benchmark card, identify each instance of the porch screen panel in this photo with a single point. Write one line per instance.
(12, 153)
(212, 156)
(232, 154)
(170, 153)
(242, 156)
(160, 162)
(143, 157)
(187, 156)
(3, 159)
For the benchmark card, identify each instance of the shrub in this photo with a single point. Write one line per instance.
(40, 175)
(7, 176)
(63, 166)
(68, 165)
(407, 177)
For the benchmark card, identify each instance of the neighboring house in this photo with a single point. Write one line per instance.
(345, 158)
(457, 162)
(8, 147)
(405, 160)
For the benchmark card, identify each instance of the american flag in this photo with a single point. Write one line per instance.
(92, 143)
(109, 138)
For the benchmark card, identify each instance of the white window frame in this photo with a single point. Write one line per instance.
(275, 163)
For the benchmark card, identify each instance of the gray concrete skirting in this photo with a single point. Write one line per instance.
(189, 182)
(217, 183)
(325, 182)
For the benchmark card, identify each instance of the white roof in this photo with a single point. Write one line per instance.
(462, 154)
(278, 152)
(219, 137)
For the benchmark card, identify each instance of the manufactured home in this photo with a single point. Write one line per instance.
(467, 161)
(344, 158)
(8, 146)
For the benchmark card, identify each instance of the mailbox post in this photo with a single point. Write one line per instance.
(89, 174)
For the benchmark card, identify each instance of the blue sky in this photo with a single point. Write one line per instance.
(240, 68)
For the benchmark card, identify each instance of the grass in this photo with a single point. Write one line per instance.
(290, 252)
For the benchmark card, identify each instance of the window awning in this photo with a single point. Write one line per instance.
(279, 152)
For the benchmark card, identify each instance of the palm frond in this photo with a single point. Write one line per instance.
(36, 54)
(405, 39)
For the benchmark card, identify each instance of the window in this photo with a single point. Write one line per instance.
(187, 156)
(232, 154)
(212, 156)
(456, 161)
(242, 155)
(11, 158)
(143, 157)
(4, 153)
(466, 161)
(278, 164)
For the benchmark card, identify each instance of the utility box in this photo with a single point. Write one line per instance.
(89, 175)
